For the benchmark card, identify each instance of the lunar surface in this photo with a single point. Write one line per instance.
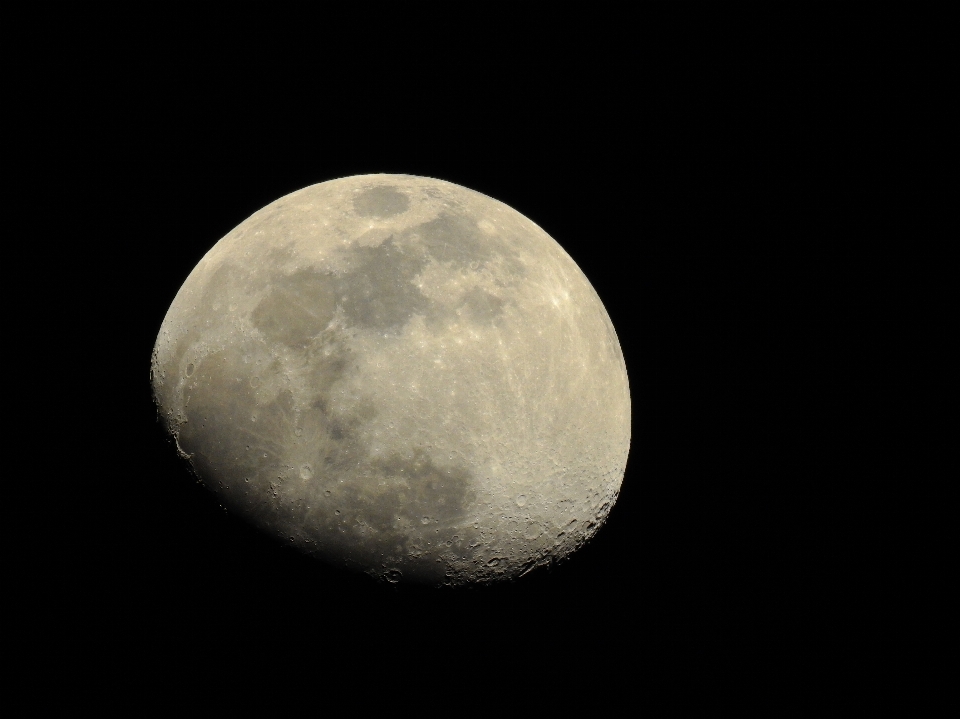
(401, 376)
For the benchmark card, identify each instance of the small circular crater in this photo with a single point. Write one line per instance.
(425, 520)
(254, 382)
(393, 575)
(493, 562)
(521, 500)
(189, 370)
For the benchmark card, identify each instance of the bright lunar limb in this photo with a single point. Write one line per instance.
(402, 376)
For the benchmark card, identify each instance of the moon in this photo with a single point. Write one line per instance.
(401, 376)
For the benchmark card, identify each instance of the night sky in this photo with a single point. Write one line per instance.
(733, 206)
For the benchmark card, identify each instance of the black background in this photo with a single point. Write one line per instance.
(732, 195)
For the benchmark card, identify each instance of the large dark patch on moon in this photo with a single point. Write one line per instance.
(297, 308)
(379, 290)
(377, 293)
(381, 202)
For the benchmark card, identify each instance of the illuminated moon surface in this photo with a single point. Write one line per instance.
(401, 376)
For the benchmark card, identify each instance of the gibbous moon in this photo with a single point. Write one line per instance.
(401, 376)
